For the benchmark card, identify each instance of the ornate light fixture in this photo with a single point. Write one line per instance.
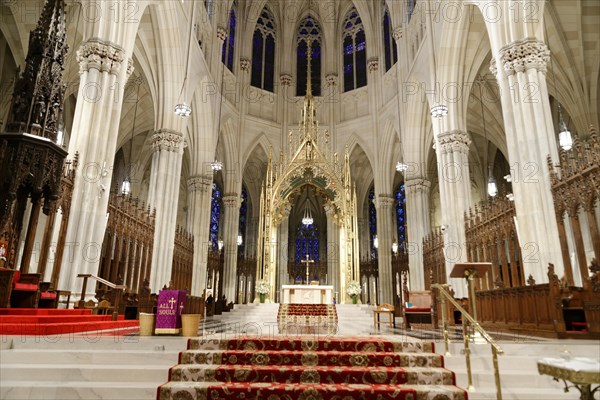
(126, 185)
(240, 239)
(492, 188)
(307, 219)
(565, 140)
(183, 109)
(401, 167)
(216, 165)
(395, 247)
(220, 244)
(375, 242)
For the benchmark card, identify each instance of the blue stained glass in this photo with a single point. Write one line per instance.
(307, 242)
(400, 196)
(243, 218)
(215, 216)
(372, 223)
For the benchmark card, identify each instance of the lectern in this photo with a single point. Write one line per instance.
(470, 271)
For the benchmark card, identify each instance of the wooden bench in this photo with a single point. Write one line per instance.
(417, 309)
(384, 308)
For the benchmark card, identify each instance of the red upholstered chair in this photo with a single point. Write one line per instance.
(48, 298)
(418, 308)
(25, 290)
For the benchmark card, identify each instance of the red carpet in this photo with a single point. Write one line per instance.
(282, 368)
(51, 322)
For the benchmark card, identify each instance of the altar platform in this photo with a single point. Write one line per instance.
(307, 294)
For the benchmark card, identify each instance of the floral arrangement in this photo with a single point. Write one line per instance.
(262, 287)
(353, 289)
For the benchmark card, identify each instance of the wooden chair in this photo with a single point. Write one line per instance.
(418, 308)
(25, 290)
(104, 308)
(384, 308)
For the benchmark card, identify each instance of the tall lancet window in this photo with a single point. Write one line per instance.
(400, 197)
(307, 242)
(372, 225)
(215, 216)
(410, 8)
(309, 30)
(354, 51)
(263, 52)
(389, 44)
(229, 43)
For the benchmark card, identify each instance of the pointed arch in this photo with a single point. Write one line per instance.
(309, 29)
(354, 51)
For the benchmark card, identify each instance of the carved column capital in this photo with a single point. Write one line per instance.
(331, 80)
(231, 200)
(385, 201)
(101, 55)
(524, 54)
(199, 183)
(221, 33)
(167, 140)
(454, 141)
(245, 64)
(417, 185)
(494, 67)
(285, 79)
(373, 64)
(329, 210)
(397, 34)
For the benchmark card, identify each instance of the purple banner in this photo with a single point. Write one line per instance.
(171, 304)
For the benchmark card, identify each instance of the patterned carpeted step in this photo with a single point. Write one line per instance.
(305, 368)
(282, 391)
(312, 358)
(309, 344)
(317, 374)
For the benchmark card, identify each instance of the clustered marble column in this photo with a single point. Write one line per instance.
(418, 223)
(283, 251)
(231, 221)
(163, 195)
(385, 229)
(103, 68)
(198, 222)
(520, 68)
(452, 150)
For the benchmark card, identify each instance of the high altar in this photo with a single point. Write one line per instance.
(307, 294)
(311, 159)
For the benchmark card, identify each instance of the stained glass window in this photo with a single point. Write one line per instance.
(372, 223)
(309, 30)
(229, 43)
(307, 242)
(215, 216)
(389, 44)
(410, 7)
(263, 52)
(354, 49)
(400, 197)
(243, 219)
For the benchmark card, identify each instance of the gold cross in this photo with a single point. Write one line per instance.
(307, 261)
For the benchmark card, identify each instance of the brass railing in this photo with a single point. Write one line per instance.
(119, 292)
(466, 321)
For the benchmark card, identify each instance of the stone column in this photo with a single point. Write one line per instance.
(520, 68)
(452, 149)
(198, 222)
(163, 196)
(418, 225)
(103, 69)
(333, 250)
(231, 221)
(385, 207)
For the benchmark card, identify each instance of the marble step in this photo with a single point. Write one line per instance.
(95, 357)
(84, 373)
(73, 390)
(489, 393)
(125, 343)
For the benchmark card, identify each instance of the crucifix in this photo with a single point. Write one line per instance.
(307, 261)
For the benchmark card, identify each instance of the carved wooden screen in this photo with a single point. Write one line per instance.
(183, 260)
(434, 261)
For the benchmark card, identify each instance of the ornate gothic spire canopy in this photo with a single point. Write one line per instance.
(39, 94)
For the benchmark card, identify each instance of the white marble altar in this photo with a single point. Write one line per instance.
(307, 294)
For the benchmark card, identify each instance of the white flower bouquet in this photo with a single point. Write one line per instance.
(353, 289)
(262, 287)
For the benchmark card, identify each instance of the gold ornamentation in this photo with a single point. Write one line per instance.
(310, 376)
(359, 360)
(310, 359)
(260, 359)
(310, 394)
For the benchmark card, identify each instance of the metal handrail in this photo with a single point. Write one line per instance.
(111, 285)
(444, 294)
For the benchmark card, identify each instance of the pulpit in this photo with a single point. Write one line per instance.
(307, 294)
